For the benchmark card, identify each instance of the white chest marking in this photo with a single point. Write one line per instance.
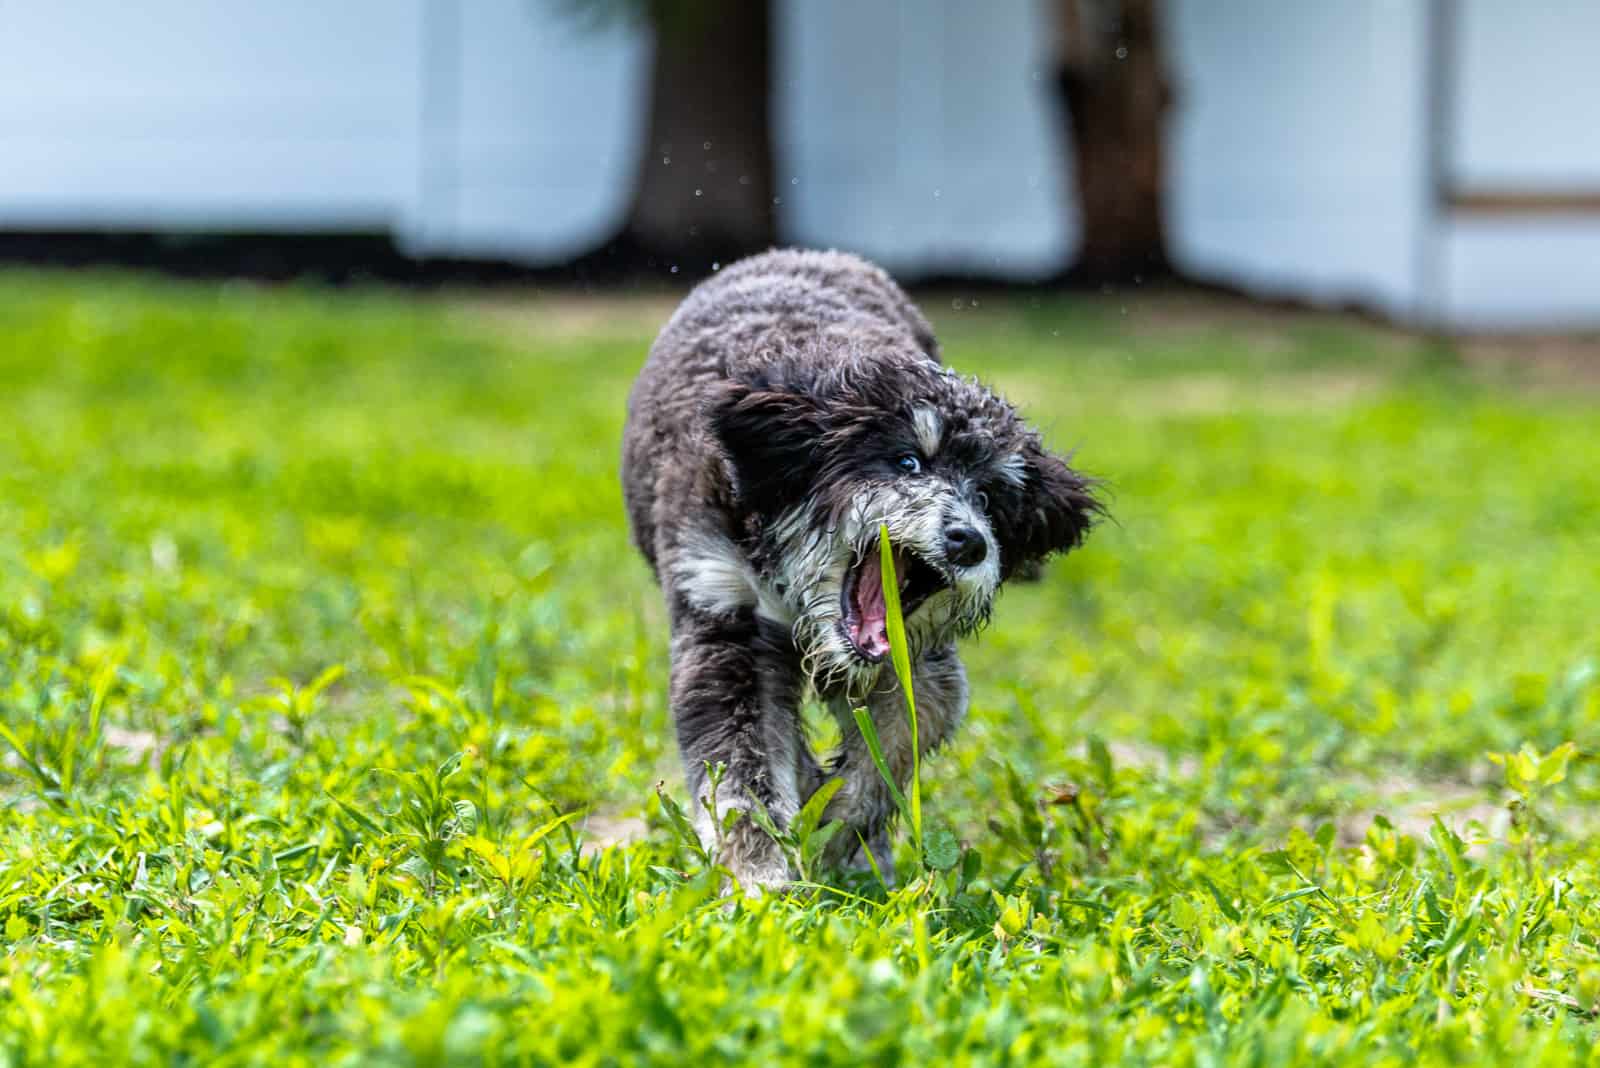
(711, 572)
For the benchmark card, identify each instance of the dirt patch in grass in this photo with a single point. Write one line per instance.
(1543, 362)
(1261, 324)
(1410, 803)
(568, 316)
(1218, 394)
(139, 746)
(1533, 360)
(602, 830)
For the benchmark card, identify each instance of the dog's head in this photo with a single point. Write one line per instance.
(966, 489)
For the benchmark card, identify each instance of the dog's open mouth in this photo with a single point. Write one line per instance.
(866, 616)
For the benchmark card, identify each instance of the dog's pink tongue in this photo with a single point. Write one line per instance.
(871, 628)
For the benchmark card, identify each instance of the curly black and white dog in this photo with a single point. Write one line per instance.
(793, 403)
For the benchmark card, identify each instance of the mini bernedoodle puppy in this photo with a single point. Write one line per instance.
(793, 403)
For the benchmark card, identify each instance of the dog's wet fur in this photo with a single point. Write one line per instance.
(793, 403)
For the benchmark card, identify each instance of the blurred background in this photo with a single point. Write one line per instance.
(1432, 161)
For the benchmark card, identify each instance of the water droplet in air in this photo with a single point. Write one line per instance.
(697, 192)
(706, 145)
(665, 160)
(715, 266)
(794, 181)
(674, 268)
(1122, 51)
(956, 304)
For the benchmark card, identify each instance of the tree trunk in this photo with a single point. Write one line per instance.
(705, 186)
(1112, 83)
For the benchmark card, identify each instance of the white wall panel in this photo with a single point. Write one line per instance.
(1528, 98)
(1527, 120)
(921, 134)
(1298, 147)
(228, 114)
(538, 151)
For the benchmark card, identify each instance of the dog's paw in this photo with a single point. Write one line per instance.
(755, 861)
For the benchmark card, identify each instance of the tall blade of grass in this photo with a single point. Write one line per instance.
(364, 821)
(545, 829)
(49, 784)
(869, 734)
(105, 677)
(900, 655)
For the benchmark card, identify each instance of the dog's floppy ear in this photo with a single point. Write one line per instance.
(1058, 507)
(771, 436)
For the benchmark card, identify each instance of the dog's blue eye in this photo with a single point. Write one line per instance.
(908, 464)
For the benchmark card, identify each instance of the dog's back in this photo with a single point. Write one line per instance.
(792, 291)
(728, 327)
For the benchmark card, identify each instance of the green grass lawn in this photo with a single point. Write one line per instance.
(318, 613)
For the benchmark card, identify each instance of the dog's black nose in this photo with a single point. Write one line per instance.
(964, 547)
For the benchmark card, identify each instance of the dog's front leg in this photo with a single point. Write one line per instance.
(735, 703)
(864, 803)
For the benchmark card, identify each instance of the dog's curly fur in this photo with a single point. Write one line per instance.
(793, 403)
